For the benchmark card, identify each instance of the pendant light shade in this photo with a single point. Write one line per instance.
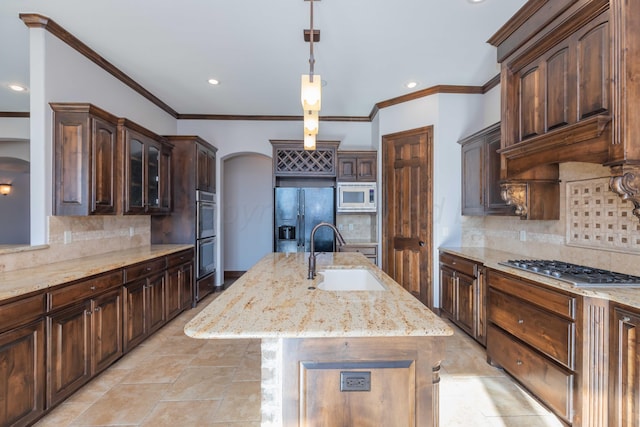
(311, 92)
(311, 122)
(309, 141)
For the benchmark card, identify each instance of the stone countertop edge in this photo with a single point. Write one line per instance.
(491, 257)
(24, 281)
(273, 300)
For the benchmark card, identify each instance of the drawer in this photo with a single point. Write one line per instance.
(371, 251)
(562, 304)
(19, 312)
(552, 384)
(144, 269)
(544, 331)
(459, 264)
(179, 258)
(80, 291)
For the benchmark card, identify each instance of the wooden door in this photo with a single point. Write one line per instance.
(473, 177)
(447, 292)
(107, 329)
(22, 374)
(155, 303)
(68, 352)
(186, 286)
(625, 372)
(103, 166)
(465, 302)
(135, 325)
(407, 210)
(172, 294)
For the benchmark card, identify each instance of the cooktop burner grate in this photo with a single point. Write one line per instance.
(578, 275)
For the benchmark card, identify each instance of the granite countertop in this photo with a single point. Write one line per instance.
(272, 300)
(20, 282)
(491, 258)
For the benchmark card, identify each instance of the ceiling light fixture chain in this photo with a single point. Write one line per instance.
(311, 89)
(312, 60)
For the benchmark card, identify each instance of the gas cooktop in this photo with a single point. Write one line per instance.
(577, 275)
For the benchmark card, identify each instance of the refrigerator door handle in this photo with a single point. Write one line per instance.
(301, 243)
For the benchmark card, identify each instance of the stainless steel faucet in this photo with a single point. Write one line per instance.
(312, 256)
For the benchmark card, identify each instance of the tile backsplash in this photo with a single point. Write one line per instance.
(549, 239)
(75, 237)
(357, 228)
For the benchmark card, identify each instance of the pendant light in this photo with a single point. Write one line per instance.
(311, 90)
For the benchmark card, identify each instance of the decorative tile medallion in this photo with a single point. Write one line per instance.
(598, 218)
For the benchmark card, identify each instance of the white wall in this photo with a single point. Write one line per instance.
(14, 128)
(61, 74)
(453, 117)
(247, 210)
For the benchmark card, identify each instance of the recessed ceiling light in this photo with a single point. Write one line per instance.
(17, 88)
(214, 82)
(411, 85)
(475, 1)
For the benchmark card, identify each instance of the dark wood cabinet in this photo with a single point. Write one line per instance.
(625, 367)
(179, 289)
(462, 294)
(146, 170)
(84, 333)
(357, 166)
(86, 163)
(291, 161)
(481, 174)
(22, 351)
(206, 168)
(368, 250)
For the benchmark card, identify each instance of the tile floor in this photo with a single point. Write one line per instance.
(173, 380)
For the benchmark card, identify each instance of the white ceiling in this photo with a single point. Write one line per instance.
(368, 49)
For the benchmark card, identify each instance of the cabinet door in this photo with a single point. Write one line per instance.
(173, 289)
(494, 203)
(347, 168)
(135, 325)
(465, 304)
(367, 167)
(153, 177)
(103, 167)
(204, 181)
(155, 302)
(447, 292)
(68, 351)
(473, 177)
(107, 329)
(186, 286)
(135, 174)
(625, 354)
(165, 189)
(22, 374)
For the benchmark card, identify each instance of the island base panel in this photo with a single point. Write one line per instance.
(301, 381)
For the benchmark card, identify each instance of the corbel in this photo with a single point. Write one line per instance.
(625, 182)
(515, 194)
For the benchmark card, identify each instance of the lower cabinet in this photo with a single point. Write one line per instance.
(462, 294)
(144, 310)
(179, 287)
(369, 251)
(22, 374)
(625, 367)
(84, 333)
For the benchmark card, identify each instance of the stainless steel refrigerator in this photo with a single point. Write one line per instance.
(297, 211)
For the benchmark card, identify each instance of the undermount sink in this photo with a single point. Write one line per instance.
(355, 279)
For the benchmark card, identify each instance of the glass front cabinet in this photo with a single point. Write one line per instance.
(147, 163)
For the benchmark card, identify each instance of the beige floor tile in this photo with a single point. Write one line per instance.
(63, 415)
(97, 387)
(200, 383)
(173, 414)
(123, 404)
(245, 389)
(158, 369)
(234, 409)
(526, 421)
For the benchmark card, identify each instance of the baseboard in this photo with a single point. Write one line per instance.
(233, 274)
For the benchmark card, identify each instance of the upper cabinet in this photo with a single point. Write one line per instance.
(206, 165)
(85, 160)
(357, 166)
(569, 92)
(107, 165)
(291, 161)
(147, 167)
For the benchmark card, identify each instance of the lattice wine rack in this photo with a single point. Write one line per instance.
(297, 161)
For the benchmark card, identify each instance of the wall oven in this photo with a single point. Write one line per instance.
(205, 215)
(206, 256)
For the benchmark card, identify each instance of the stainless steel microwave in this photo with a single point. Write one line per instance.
(357, 197)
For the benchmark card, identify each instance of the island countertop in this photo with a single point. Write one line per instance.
(273, 300)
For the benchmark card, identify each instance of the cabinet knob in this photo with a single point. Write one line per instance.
(626, 319)
(148, 268)
(520, 321)
(93, 288)
(421, 243)
(88, 312)
(97, 309)
(519, 362)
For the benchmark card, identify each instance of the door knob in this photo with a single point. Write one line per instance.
(421, 243)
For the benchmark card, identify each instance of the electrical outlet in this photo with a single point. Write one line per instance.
(132, 231)
(523, 235)
(355, 381)
(67, 237)
(340, 227)
(350, 227)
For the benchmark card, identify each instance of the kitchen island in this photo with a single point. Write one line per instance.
(332, 357)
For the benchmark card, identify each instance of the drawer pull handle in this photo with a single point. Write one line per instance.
(519, 362)
(520, 321)
(93, 288)
(148, 268)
